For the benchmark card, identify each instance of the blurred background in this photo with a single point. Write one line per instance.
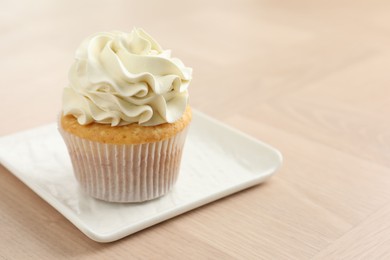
(270, 47)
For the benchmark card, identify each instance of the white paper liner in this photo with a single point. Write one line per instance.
(125, 172)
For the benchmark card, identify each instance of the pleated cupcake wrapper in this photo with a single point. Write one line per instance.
(125, 172)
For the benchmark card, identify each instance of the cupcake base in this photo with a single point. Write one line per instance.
(125, 172)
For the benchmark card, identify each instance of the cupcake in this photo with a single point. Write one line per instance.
(125, 116)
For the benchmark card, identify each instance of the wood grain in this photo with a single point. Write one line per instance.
(368, 240)
(309, 77)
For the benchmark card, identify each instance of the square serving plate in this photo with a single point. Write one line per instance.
(217, 161)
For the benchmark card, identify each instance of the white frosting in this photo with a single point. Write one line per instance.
(121, 78)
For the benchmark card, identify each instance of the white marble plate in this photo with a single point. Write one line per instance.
(217, 161)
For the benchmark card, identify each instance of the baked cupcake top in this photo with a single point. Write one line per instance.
(123, 78)
(125, 134)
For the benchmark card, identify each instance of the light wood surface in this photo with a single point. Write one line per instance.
(309, 77)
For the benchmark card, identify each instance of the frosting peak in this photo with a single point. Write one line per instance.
(122, 78)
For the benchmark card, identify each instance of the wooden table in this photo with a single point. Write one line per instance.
(311, 78)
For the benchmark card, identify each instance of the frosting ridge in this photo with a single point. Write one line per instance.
(122, 78)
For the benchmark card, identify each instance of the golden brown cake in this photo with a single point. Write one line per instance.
(127, 134)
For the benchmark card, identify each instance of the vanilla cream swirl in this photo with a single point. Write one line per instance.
(122, 78)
